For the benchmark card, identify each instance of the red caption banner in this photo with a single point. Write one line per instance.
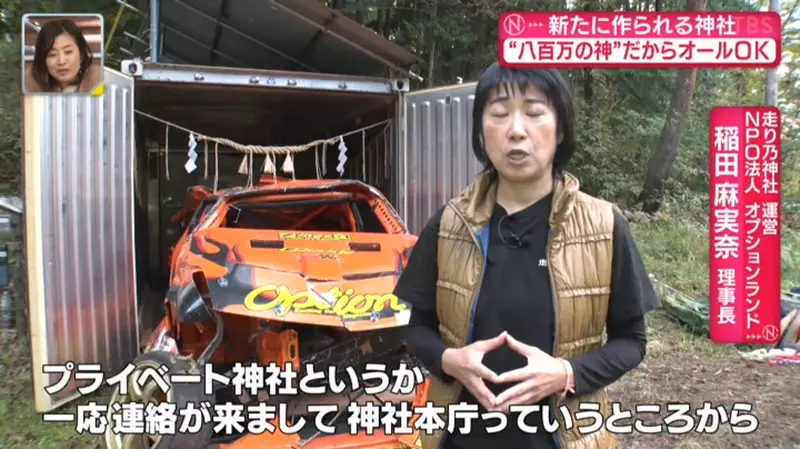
(633, 40)
(744, 225)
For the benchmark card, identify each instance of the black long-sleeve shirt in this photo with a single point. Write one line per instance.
(516, 296)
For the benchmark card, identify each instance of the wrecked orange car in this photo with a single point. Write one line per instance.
(288, 273)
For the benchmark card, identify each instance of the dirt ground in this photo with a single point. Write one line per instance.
(683, 368)
(679, 368)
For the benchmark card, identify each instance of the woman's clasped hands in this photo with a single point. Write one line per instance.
(541, 377)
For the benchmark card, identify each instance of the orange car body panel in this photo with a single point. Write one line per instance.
(337, 279)
(379, 440)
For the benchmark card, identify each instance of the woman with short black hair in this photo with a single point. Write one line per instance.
(515, 280)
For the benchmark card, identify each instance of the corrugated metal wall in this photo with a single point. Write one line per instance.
(438, 151)
(91, 26)
(79, 231)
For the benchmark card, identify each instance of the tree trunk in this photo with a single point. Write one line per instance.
(432, 64)
(771, 95)
(740, 81)
(588, 75)
(661, 163)
(432, 55)
(475, 66)
(385, 21)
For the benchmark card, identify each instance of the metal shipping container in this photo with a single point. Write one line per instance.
(79, 233)
(100, 194)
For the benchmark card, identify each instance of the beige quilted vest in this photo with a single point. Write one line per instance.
(579, 261)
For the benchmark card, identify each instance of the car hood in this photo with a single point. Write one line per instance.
(330, 279)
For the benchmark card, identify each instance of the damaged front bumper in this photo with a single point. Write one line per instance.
(343, 438)
(378, 440)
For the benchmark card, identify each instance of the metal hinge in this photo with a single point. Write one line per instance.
(400, 84)
(132, 67)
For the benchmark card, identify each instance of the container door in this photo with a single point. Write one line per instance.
(436, 160)
(79, 196)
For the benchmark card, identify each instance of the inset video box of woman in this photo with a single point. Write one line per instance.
(62, 54)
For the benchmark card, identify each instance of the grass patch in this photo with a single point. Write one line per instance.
(23, 427)
(666, 336)
(675, 249)
(676, 252)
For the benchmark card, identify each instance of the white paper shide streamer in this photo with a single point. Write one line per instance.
(342, 156)
(269, 164)
(288, 165)
(191, 164)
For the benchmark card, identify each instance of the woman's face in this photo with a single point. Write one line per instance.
(520, 131)
(64, 59)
